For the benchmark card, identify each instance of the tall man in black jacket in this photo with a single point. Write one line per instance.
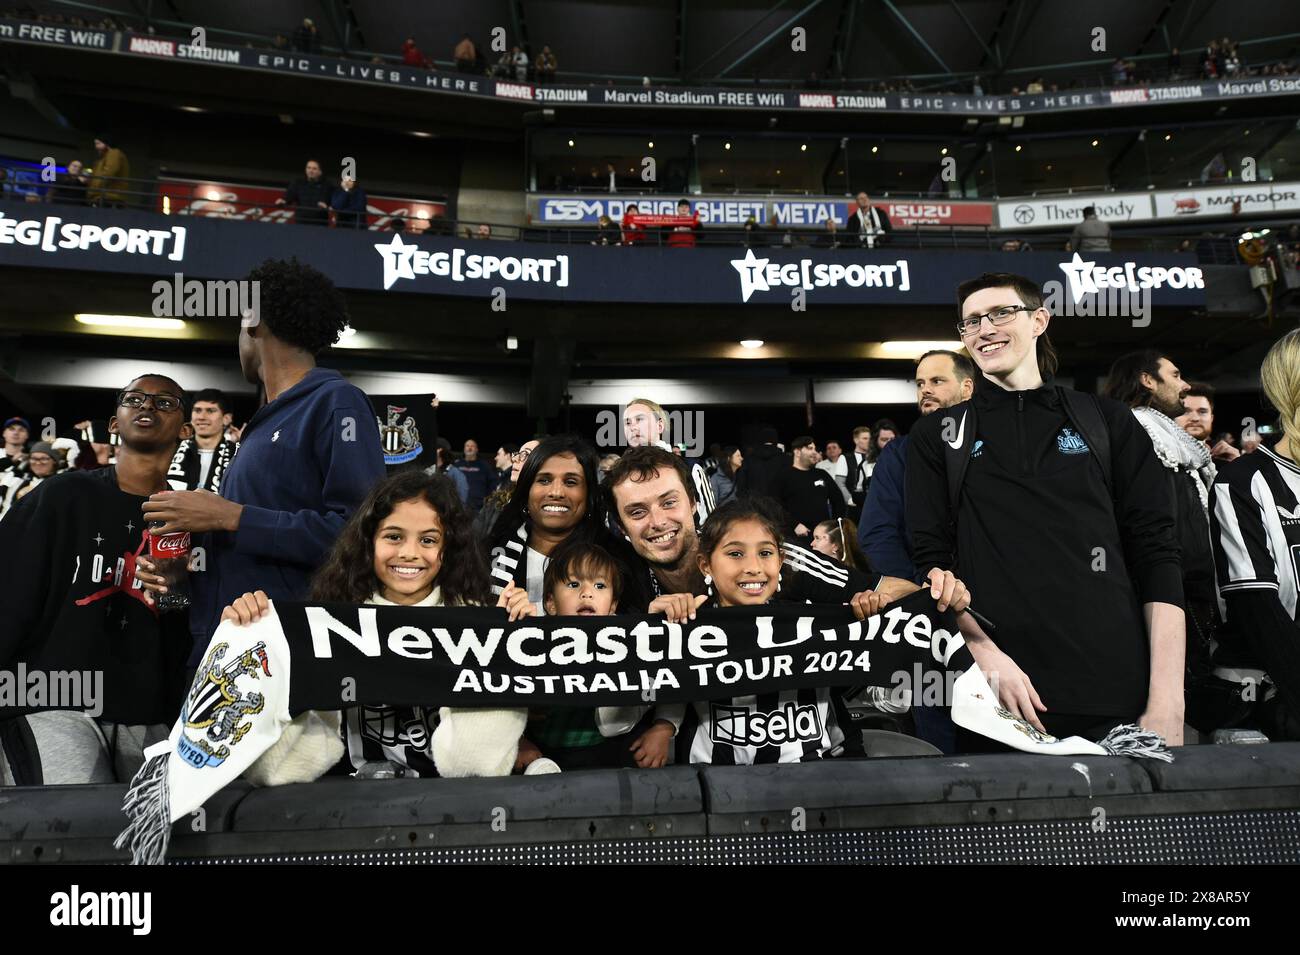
(1078, 569)
(806, 493)
(310, 196)
(1151, 384)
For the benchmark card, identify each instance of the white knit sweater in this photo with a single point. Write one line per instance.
(468, 741)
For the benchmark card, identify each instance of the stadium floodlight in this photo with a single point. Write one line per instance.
(512, 343)
(350, 338)
(147, 322)
(915, 349)
(751, 343)
(1019, 147)
(191, 109)
(726, 145)
(421, 134)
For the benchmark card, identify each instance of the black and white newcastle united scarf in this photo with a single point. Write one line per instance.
(183, 473)
(254, 679)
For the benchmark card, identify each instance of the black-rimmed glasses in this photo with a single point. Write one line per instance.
(136, 399)
(998, 316)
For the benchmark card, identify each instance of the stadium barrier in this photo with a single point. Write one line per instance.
(1213, 804)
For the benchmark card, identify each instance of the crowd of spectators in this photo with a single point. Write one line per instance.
(546, 525)
(105, 184)
(1218, 59)
(91, 21)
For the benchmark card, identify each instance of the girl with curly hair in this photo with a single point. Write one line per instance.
(409, 544)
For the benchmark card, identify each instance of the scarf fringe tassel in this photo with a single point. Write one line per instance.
(148, 806)
(1130, 739)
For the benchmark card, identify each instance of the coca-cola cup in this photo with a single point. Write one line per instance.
(170, 554)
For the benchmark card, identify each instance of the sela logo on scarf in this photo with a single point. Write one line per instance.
(740, 726)
(216, 705)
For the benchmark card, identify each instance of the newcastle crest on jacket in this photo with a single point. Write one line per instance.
(216, 704)
(401, 441)
(1069, 442)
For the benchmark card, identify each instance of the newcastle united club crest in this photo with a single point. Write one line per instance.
(216, 705)
(401, 442)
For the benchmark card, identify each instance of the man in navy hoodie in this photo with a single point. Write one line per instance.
(305, 460)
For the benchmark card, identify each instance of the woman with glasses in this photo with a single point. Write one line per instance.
(1052, 507)
(42, 462)
(485, 520)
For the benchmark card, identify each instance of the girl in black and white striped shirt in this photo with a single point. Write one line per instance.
(1255, 526)
(740, 556)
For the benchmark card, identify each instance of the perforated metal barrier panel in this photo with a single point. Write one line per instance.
(1213, 804)
(1242, 838)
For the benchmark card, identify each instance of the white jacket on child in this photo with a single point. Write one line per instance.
(468, 741)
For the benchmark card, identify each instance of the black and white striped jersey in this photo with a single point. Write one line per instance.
(788, 726)
(815, 578)
(1255, 528)
(398, 734)
(704, 500)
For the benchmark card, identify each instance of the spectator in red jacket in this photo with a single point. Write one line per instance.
(683, 236)
(632, 233)
(412, 56)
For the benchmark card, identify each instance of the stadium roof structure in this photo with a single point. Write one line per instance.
(691, 41)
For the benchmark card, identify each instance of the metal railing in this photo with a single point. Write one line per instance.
(1079, 74)
(1213, 244)
(25, 183)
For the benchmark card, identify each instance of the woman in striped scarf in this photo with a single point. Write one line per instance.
(556, 499)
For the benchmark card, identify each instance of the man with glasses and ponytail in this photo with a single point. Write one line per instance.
(76, 612)
(1053, 508)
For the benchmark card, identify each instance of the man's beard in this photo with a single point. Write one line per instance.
(1171, 410)
(689, 548)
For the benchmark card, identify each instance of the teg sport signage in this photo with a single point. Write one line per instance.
(106, 240)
